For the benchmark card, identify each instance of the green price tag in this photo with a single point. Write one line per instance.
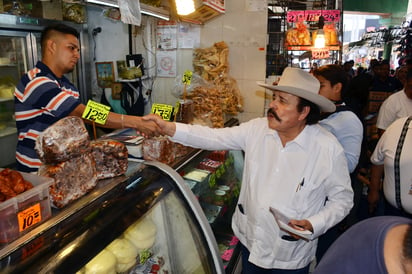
(96, 112)
(187, 77)
(165, 111)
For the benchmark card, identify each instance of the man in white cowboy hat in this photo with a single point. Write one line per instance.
(291, 164)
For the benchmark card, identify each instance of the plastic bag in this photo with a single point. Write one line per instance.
(130, 12)
(179, 87)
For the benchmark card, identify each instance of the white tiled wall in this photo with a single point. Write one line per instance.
(245, 33)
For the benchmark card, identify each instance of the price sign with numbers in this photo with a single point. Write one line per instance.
(96, 112)
(320, 53)
(29, 217)
(331, 15)
(295, 16)
(312, 15)
(165, 111)
(187, 77)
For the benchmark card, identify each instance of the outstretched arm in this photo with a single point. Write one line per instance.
(147, 127)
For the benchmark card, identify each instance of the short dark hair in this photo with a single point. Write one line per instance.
(334, 74)
(407, 244)
(314, 113)
(409, 74)
(61, 28)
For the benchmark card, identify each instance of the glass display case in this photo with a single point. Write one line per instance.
(146, 221)
(215, 179)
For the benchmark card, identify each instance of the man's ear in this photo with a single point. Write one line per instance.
(337, 88)
(50, 45)
(304, 113)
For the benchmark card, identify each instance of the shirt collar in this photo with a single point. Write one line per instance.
(301, 140)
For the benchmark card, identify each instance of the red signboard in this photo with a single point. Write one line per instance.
(313, 15)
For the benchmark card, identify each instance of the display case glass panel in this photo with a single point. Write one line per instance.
(215, 179)
(144, 223)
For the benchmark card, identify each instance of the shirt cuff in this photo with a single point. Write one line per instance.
(182, 131)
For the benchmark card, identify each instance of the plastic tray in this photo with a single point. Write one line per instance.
(22, 213)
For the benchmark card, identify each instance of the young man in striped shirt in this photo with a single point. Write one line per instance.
(44, 95)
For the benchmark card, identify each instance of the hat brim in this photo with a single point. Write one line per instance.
(323, 103)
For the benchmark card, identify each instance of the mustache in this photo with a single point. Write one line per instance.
(272, 112)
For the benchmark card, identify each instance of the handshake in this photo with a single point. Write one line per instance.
(164, 127)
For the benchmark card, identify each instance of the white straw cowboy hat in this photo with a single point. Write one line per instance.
(300, 83)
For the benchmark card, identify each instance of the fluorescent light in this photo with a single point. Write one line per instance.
(185, 7)
(160, 16)
(144, 9)
(161, 13)
(104, 3)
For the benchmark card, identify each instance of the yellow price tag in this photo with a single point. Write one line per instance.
(165, 111)
(96, 112)
(29, 217)
(187, 77)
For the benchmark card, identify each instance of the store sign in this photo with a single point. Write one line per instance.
(320, 53)
(312, 15)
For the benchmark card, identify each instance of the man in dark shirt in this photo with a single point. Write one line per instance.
(377, 245)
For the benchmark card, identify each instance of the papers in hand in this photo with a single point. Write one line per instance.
(283, 222)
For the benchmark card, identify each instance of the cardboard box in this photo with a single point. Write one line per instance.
(205, 10)
(48, 9)
(22, 213)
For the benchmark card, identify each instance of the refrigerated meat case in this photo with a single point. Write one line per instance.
(189, 229)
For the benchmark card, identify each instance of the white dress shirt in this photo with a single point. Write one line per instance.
(348, 129)
(273, 176)
(396, 106)
(384, 154)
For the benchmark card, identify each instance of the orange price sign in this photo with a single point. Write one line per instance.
(29, 217)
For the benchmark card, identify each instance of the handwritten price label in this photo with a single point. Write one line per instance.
(165, 111)
(331, 15)
(295, 16)
(320, 53)
(29, 217)
(187, 77)
(96, 112)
